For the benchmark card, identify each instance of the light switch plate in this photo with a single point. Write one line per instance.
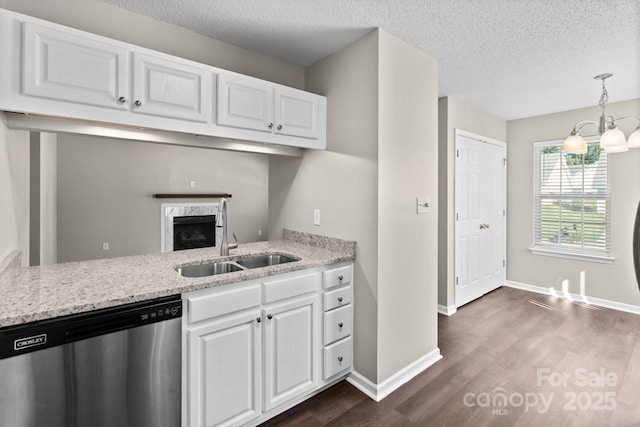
(423, 205)
(316, 217)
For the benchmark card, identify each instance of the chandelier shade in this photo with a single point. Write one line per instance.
(612, 139)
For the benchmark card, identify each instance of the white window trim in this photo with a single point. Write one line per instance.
(558, 253)
(566, 252)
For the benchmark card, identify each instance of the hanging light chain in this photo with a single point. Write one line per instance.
(603, 98)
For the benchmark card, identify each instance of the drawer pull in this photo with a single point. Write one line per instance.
(340, 278)
(339, 299)
(339, 358)
(258, 319)
(269, 316)
(340, 325)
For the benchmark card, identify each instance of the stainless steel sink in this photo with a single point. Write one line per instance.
(211, 269)
(265, 260)
(222, 267)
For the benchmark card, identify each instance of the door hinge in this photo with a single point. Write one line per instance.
(456, 280)
(504, 212)
(457, 153)
(504, 263)
(504, 161)
(456, 217)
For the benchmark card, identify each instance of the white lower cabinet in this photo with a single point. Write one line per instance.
(254, 349)
(289, 332)
(337, 321)
(225, 371)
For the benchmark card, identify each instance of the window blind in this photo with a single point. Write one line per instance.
(571, 200)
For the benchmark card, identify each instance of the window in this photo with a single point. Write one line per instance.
(571, 202)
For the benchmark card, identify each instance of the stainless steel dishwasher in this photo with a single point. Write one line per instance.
(115, 367)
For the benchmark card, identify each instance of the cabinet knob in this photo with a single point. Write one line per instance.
(269, 316)
(258, 319)
(122, 100)
(270, 125)
(138, 103)
(340, 278)
(340, 325)
(279, 127)
(339, 299)
(339, 358)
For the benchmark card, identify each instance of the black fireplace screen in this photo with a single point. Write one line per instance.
(190, 232)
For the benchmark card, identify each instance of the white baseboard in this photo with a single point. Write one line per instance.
(575, 297)
(447, 310)
(378, 392)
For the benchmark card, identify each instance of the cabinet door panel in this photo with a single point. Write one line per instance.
(289, 350)
(62, 66)
(170, 89)
(245, 103)
(296, 113)
(224, 371)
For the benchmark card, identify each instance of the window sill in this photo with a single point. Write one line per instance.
(603, 259)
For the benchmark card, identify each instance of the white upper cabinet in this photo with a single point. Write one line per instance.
(52, 70)
(245, 103)
(61, 66)
(297, 113)
(248, 103)
(170, 89)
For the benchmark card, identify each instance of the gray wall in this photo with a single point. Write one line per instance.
(341, 181)
(454, 114)
(105, 189)
(614, 282)
(381, 154)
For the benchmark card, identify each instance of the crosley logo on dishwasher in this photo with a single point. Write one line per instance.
(33, 341)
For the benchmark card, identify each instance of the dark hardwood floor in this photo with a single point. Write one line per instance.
(555, 362)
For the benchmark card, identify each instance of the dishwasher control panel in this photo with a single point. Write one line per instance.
(39, 335)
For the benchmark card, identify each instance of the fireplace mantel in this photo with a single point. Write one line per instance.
(191, 196)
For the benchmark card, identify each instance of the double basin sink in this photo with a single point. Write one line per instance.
(230, 266)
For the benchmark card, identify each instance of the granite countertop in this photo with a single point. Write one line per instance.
(37, 293)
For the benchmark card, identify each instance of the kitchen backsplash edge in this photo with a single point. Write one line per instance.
(317, 240)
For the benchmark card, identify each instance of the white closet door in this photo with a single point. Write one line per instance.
(480, 232)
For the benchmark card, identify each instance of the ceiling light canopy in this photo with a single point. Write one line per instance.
(612, 140)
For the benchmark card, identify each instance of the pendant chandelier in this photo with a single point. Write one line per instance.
(612, 140)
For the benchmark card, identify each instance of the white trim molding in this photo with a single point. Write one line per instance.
(378, 392)
(614, 305)
(447, 310)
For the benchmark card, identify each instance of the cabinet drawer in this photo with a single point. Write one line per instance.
(286, 288)
(338, 357)
(337, 324)
(223, 302)
(337, 298)
(337, 277)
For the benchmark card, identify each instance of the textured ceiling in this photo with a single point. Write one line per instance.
(509, 58)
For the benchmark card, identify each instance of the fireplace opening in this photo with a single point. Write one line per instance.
(191, 232)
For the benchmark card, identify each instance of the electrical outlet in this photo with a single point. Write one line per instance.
(105, 246)
(192, 184)
(423, 205)
(316, 217)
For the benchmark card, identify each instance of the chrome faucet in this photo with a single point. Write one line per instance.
(222, 222)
